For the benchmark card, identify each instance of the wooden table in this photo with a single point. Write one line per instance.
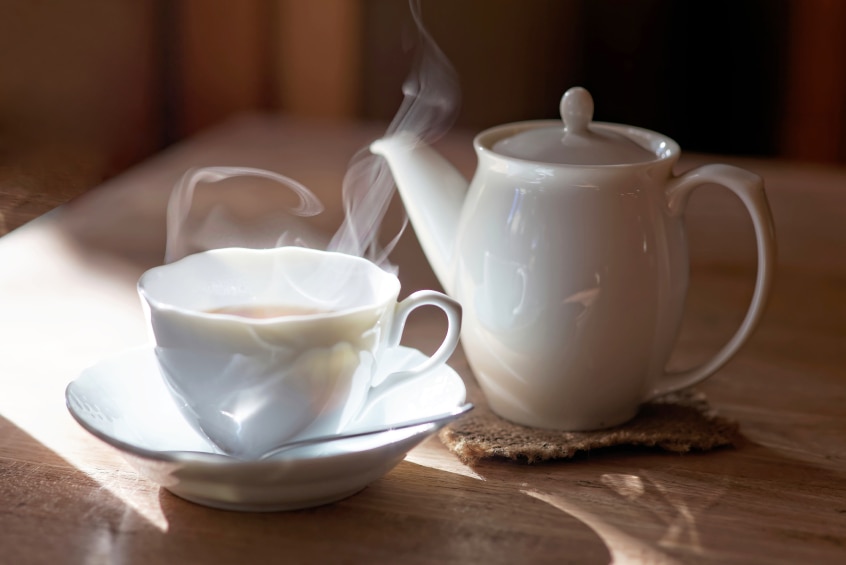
(67, 298)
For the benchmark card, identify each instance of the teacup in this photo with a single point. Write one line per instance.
(261, 346)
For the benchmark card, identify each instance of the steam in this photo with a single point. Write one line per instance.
(180, 243)
(431, 93)
(431, 98)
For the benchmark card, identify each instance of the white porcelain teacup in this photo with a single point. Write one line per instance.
(262, 346)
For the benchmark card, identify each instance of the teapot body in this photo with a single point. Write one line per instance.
(567, 252)
(573, 280)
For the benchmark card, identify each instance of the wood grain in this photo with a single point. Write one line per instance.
(67, 298)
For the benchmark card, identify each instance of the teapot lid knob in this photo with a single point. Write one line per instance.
(580, 142)
(577, 110)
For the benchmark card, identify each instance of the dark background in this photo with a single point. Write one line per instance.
(711, 74)
(90, 88)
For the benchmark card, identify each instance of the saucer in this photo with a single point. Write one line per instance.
(123, 401)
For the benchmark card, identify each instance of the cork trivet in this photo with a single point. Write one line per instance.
(678, 422)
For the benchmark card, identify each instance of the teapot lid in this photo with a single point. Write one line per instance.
(577, 143)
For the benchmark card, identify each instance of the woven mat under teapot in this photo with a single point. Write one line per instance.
(678, 423)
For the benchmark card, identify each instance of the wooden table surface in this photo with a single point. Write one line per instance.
(67, 298)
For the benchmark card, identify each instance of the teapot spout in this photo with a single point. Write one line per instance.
(433, 193)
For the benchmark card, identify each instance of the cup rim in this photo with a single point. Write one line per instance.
(163, 306)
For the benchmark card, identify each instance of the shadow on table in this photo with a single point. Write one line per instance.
(724, 506)
(52, 512)
(414, 514)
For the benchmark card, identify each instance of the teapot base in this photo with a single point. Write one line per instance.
(519, 411)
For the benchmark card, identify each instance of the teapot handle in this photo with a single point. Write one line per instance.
(749, 187)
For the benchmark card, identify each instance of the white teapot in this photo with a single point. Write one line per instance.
(567, 252)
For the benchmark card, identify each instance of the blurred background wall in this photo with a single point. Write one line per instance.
(89, 88)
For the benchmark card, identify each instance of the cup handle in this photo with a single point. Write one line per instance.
(749, 187)
(451, 308)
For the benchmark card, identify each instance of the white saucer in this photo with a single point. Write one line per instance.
(123, 401)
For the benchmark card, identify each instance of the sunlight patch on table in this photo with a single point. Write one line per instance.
(61, 435)
(52, 341)
(624, 548)
(433, 454)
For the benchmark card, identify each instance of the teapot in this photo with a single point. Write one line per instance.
(567, 251)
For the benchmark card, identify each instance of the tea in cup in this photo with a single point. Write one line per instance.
(261, 346)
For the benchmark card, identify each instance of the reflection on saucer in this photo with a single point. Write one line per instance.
(123, 401)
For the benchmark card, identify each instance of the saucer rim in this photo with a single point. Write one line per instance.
(216, 458)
